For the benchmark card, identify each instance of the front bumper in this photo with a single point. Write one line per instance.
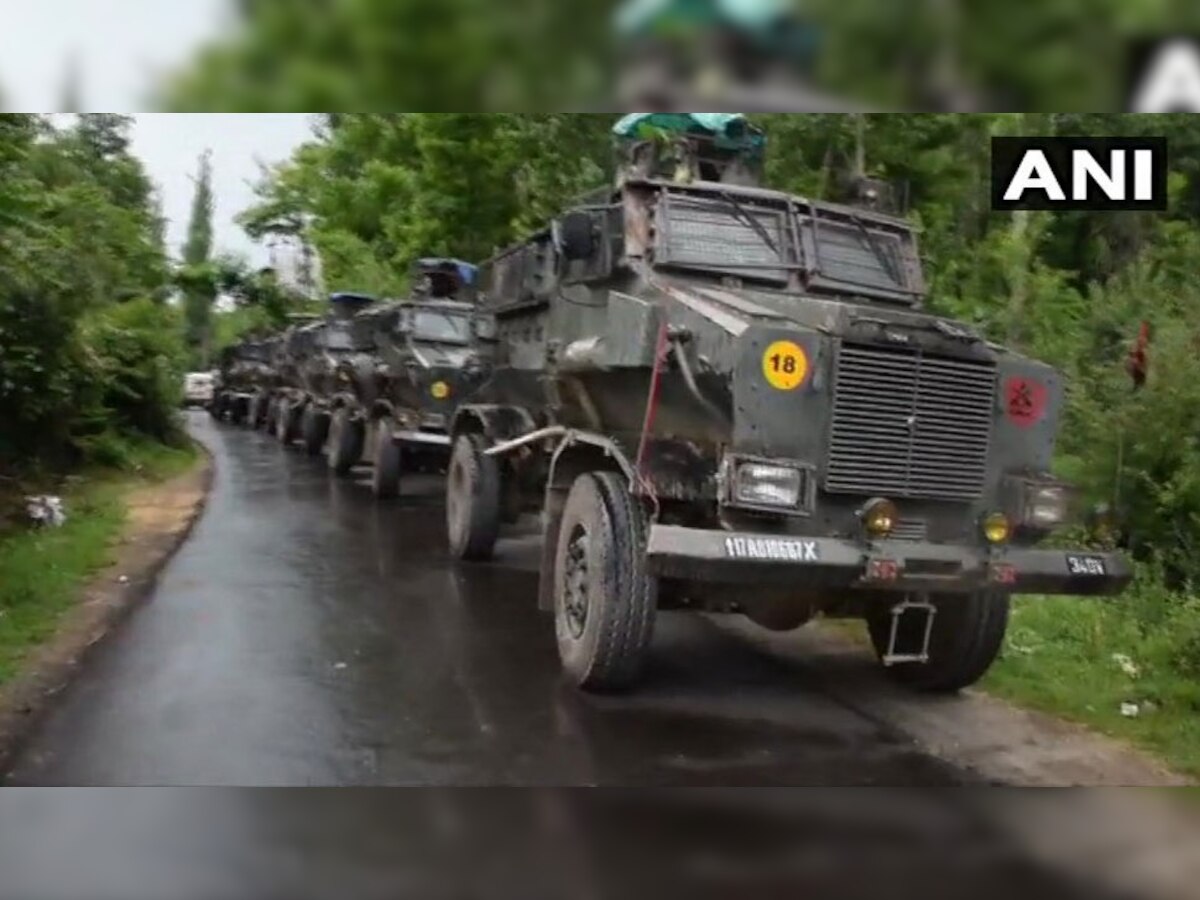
(730, 557)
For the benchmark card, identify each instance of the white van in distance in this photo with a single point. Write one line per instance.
(198, 388)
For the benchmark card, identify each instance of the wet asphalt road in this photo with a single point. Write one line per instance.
(306, 635)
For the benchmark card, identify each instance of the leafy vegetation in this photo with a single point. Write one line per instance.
(196, 276)
(1129, 667)
(375, 192)
(41, 570)
(90, 354)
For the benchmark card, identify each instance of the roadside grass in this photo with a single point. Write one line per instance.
(1083, 660)
(42, 570)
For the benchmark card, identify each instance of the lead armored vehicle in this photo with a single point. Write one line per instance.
(397, 394)
(287, 349)
(267, 383)
(245, 369)
(725, 398)
(316, 352)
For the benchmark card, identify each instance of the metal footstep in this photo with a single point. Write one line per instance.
(894, 657)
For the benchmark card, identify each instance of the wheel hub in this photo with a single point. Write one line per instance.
(576, 582)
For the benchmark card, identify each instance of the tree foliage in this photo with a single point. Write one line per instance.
(374, 192)
(196, 277)
(85, 351)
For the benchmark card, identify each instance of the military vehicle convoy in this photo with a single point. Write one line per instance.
(413, 365)
(729, 399)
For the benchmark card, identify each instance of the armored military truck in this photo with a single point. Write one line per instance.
(315, 352)
(729, 399)
(395, 399)
(245, 369)
(287, 353)
(266, 382)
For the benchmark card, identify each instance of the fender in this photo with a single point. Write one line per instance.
(497, 423)
(381, 408)
(343, 399)
(592, 448)
(578, 452)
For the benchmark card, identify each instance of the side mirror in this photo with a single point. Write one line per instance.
(576, 235)
(485, 328)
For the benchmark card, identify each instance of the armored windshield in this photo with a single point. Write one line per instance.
(441, 326)
(768, 237)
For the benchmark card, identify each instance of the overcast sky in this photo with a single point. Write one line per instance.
(119, 47)
(170, 145)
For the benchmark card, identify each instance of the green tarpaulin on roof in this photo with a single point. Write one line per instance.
(729, 130)
(639, 16)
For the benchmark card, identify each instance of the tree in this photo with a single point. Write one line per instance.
(400, 54)
(197, 275)
(85, 358)
(375, 192)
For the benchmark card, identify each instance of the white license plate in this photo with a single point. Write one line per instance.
(1086, 565)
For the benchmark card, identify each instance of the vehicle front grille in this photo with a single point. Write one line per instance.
(909, 425)
(910, 530)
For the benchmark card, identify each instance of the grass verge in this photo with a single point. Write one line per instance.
(42, 571)
(1083, 660)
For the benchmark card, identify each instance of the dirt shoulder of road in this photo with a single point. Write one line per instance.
(159, 518)
(1000, 742)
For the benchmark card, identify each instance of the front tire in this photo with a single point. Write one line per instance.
(345, 442)
(272, 415)
(237, 411)
(385, 477)
(472, 500)
(968, 634)
(287, 423)
(604, 600)
(314, 429)
(254, 412)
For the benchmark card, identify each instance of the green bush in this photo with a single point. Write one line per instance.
(138, 355)
(84, 363)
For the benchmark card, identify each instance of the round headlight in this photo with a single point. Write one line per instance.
(440, 390)
(879, 517)
(996, 528)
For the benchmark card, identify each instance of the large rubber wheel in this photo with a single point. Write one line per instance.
(345, 442)
(385, 477)
(604, 600)
(968, 633)
(216, 408)
(287, 424)
(254, 414)
(314, 429)
(271, 416)
(472, 499)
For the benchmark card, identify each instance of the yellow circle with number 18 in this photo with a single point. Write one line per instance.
(785, 365)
